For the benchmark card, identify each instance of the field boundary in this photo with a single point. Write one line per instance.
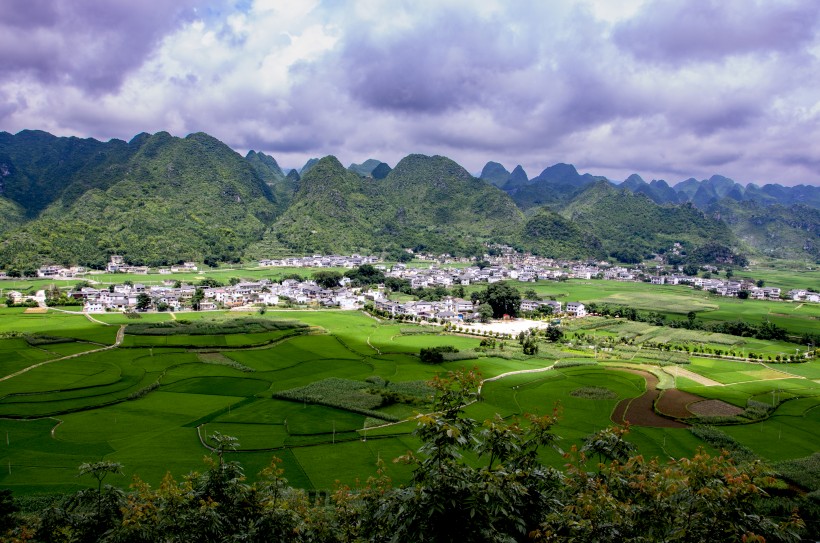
(117, 342)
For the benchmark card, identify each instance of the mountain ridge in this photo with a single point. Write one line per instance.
(74, 200)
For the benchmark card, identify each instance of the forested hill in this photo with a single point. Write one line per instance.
(159, 199)
(631, 226)
(162, 200)
(425, 202)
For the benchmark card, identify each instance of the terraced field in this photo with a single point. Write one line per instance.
(153, 402)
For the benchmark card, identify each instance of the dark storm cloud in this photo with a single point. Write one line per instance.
(450, 60)
(90, 44)
(677, 31)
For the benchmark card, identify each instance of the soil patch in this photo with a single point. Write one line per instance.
(714, 408)
(35, 310)
(640, 411)
(675, 403)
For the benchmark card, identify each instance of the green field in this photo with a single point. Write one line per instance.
(149, 403)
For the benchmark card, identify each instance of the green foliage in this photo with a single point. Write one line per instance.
(157, 200)
(427, 203)
(503, 493)
(804, 472)
(630, 226)
(548, 234)
(245, 325)
(594, 393)
(773, 230)
(365, 274)
(435, 355)
(363, 397)
(714, 253)
(723, 441)
(327, 279)
(44, 339)
(502, 297)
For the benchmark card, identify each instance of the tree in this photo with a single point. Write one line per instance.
(609, 444)
(760, 283)
(197, 298)
(530, 294)
(485, 313)
(365, 274)
(143, 301)
(503, 298)
(327, 279)
(553, 333)
(499, 500)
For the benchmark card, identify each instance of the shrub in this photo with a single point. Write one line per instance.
(435, 355)
(594, 393)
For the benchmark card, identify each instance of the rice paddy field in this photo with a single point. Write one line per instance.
(337, 394)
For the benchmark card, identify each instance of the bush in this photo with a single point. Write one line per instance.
(594, 393)
(435, 355)
(207, 328)
(723, 441)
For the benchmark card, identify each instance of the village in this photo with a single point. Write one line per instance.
(438, 271)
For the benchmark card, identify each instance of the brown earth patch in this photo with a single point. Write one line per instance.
(640, 411)
(674, 403)
(714, 408)
(36, 310)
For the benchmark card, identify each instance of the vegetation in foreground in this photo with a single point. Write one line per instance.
(507, 495)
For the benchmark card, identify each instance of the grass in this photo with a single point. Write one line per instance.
(158, 432)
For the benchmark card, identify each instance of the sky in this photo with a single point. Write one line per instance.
(668, 89)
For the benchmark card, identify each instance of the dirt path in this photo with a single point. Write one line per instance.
(678, 371)
(117, 343)
(478, 393)
(518, 372)
(373, 346)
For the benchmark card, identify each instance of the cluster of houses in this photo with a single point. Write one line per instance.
(319, 261)
(126, 297)
(800, 295)
(503, 264)
(452, 309)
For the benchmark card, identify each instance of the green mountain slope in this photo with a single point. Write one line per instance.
(548, 234)
(173, 199)
(334, 211)
(11, 215)
(38, 167)
(774, 230)
(630, 226)
(438, 205)
(428, 203)
(283, 187)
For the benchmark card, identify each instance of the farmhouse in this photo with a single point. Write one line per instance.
(576, 309)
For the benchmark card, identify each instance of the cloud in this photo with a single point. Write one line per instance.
(679, 31)
(665, 88)
(91, 44)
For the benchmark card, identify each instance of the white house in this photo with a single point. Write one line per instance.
(576, 309)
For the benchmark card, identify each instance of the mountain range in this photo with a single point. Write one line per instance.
(159, 199)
